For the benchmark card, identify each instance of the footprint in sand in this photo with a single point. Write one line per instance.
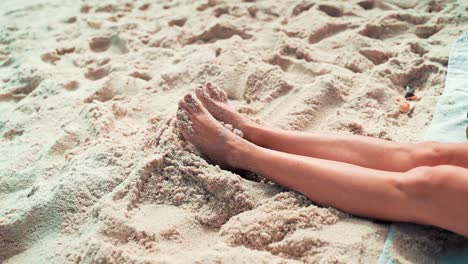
(217, 32)
(54, 56)
(141, 75)
(85, 9)
(115, 86)
(96, 69)
(70, 20)
(375, 55)
(383, 31)
(326, 31)
(115, 43)
(367, 4)
(19, 89)
(144, 7)
(98, 73)
(5, 59)
(301, 7)
(71, 86)
(331, 10)
(178, 21)
(395, 25)
(100, 44)
(426, 31)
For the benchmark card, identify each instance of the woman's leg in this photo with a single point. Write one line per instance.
(427, 195)
(358, 150)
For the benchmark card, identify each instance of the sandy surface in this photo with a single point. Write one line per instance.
(92, 169)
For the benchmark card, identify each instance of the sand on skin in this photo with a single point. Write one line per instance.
(92, 168)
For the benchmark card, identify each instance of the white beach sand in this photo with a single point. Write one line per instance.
(92, 169)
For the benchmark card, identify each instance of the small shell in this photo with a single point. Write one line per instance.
(404, 106)
(413, 98)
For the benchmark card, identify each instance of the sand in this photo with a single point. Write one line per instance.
(93, 170)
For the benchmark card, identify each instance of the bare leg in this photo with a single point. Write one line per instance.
(358, 150)
(427, 195)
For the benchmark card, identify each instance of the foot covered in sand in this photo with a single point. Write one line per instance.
(215, 101)
(201, 129)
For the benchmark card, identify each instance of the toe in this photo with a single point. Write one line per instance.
(184, 105)
(194, 103)
(189, 99)
(203, 96)
(191, 103)
(210, 89)
(215, 92)
(181, 114)
(183, 122)
(199, 93)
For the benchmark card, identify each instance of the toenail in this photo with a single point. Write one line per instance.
(180, 114)
(203, 93)
(191, 100)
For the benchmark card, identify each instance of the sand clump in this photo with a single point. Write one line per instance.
(94, 169)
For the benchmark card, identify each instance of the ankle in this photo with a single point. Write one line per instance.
(238, 151)
(253, 132)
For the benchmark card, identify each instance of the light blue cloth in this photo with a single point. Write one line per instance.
(448, 125)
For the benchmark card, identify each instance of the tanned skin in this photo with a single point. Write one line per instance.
(424, 183)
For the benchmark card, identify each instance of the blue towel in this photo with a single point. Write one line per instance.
(448, 125)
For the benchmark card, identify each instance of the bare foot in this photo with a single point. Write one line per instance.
(215, 100)
(201, 129)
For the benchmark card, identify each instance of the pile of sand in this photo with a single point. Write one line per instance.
(92, 168)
